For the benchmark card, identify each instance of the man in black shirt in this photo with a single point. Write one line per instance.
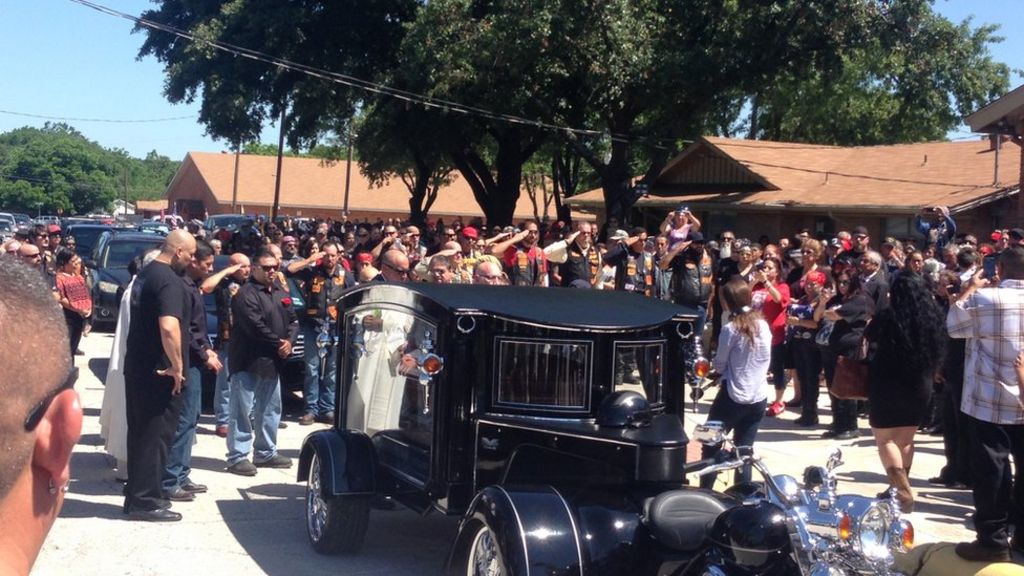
(177, 484)
(262, 337)
(634, 268)
(154, 371)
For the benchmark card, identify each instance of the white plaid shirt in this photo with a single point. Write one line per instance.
(992, 321)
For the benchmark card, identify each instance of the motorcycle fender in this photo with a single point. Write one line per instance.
(534, 526)
(348, 462)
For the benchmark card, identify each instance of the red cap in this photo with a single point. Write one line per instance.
(364, 257)
(470, 232)
(996, 236)
(53, 229)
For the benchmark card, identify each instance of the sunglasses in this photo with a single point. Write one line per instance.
(269, 269)
(403, 271)
(35, 415)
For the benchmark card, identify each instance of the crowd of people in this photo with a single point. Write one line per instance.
(781, 314)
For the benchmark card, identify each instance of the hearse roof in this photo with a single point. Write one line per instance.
(552, 306)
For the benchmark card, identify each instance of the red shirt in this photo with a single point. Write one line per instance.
(72, 287)
(774, 312)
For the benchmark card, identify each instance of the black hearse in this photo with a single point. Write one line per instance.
(545, 417)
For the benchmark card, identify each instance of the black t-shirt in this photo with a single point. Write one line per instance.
(157, 292)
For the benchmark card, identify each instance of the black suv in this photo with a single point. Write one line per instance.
(109, 270)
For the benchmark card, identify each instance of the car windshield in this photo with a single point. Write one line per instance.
(85, 239)
(119, 254)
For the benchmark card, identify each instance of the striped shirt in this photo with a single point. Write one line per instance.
(992, 321)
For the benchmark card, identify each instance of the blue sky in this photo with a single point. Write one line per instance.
(61, 59)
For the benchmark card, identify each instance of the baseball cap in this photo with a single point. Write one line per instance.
(619, 235)
(364, 257)
(53, 229)
(860, 231)
(1016, 234)
(816, 276)
(470, 233)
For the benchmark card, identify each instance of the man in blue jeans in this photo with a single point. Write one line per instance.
(177, 485)
(224, 285)
(325, 281)
(264, 331)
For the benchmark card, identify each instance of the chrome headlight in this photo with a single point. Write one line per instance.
(872, 527)
(108, 287)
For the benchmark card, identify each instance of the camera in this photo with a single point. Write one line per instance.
(759, 266)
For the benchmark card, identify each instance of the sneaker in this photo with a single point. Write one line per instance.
(307, 419)
(977, 552)
(242, 468)
(776, 408)
(275, 461)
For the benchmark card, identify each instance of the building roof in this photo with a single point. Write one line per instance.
(1003, 115)
(755, 174)
(310, 184)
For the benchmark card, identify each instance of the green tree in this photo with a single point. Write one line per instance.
(55, 169)
(912, 80)
(239, 96)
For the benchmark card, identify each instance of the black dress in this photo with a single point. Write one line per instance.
(898, 396)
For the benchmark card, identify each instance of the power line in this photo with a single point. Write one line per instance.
(107, 120)
(373, 87)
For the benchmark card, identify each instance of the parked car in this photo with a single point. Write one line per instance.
(86, 237)
(22, 219)
(47, 219)
(9, 218)
(6, 230)
(226, 221)
(109, 270)
(535, 414)
(293, 373)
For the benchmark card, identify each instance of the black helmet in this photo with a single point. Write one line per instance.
(624, 409)
(751, 538)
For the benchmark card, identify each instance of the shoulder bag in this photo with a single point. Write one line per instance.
(851, 378)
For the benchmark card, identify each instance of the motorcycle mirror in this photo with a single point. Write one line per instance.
(814, 476)
(710, 433)
(835, 459)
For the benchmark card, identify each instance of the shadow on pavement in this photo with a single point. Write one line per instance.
(269, 523)
(98, 367)
(74, 508)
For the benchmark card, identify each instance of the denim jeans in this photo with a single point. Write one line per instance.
(743, 420)
(179, 454)
(318, 389)
(222, 391)
(261, 397)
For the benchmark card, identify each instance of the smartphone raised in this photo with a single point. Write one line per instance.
(989, 266)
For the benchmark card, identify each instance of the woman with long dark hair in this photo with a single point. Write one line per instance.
(770, 297)
(909, 341)
(744, 352)
(73, 294)
(844, 317)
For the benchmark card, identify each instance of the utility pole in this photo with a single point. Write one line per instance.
(234, 187)
(348, 173)
(126, 191)
(280, 160)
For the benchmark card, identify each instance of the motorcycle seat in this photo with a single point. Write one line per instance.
(680, 519)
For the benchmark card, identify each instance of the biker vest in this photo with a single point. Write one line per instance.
(639, 277)
(526, 267)
(579, 266)
(322, 294)
(692, 281)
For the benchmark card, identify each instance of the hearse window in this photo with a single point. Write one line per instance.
(547, 373)
(639, 367)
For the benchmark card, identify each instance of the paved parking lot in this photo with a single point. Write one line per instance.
(256, 525)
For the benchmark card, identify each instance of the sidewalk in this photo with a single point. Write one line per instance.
(256, 525)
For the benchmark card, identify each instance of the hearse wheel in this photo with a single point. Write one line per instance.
(335, 525)
(484, 556)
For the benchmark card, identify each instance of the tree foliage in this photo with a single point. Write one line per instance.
(912, 79)
(637, 78)
(55, 169)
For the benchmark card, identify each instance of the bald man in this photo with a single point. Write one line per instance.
(489, 273)
(394, 267)
(40, 417)
(154, 371)
(224, 285)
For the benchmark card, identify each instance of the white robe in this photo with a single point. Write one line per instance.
(113, 414)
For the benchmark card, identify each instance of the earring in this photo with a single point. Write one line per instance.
(53, 487)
